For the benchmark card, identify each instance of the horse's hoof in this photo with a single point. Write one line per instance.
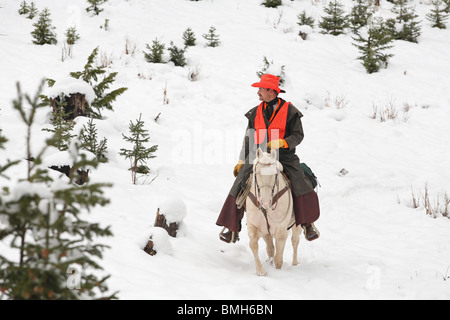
(261, 273)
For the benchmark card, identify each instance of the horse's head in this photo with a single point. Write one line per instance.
(266, 168)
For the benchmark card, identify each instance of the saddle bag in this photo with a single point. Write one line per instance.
(310, 175)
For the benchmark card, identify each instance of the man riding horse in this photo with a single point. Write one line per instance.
(273, 124)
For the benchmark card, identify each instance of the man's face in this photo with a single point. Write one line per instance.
(266, 94)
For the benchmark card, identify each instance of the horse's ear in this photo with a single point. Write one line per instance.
(259, 152)
(273, 154)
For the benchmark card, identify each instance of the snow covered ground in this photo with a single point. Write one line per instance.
(373, 244)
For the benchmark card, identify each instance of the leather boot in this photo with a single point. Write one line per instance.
(229, 236)
(311, 232)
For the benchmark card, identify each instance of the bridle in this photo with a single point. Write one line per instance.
(255, 196)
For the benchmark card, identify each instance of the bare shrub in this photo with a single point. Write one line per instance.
(130, 46)
(390, 111)
(339, 101)
(432, 206)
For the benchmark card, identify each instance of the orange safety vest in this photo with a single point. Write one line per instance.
(277, 128)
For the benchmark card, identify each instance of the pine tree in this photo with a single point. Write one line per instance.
(42, 221)
(305, 20)
(88, 139)
(71, 35)
(102, 100)
(336, 21)
(43, 34)
(212, 37)
(269, 68)
(61, 128)
(447, 6)
(23, 9)
(156, 52)
(8, 164)
(404, 26)
(189, 38)
(32, 11)
(373, 46)
(177, 55)
(94, 6)
(437, 16)
(272, 3)
(359, 15)
(139, 155)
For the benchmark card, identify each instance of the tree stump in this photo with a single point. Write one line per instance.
(174, 210)
(149, 247)
(76, 105)
(161, 221)
(303, 35)
(67, 170)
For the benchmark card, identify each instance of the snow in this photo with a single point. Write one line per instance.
(373, 245)
(173, 208)
(69, 85)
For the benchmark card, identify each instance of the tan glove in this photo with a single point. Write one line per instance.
(276, 144)
(238, 167)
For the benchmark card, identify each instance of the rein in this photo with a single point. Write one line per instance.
(275, 197)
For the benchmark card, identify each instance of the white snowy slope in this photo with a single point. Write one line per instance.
(373, 244)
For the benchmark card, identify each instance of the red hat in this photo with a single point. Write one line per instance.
(269, 81)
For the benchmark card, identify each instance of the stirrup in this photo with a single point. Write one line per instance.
(229, 236)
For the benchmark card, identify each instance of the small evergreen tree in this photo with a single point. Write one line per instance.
(212, 37)
(32, 11)
(94, 6)
(305, 20)
(372, 46)
(61, 128)
(43, 34)
(447, 6)
(42, 220)
(404, 26)
(335, 22)
(102, 100)
(177, 55)
(156, 52)
(139, 155)
(359, 15)
(71, 35)
(268, 67)
(88, 139)
(8, 164)
(23, 9)
(189, 38)
(438, 15)
(272, 3)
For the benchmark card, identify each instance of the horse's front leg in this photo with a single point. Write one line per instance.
(280, 242)
(254, 237)
(269, 246)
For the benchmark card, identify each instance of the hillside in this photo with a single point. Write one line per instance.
(373, 244)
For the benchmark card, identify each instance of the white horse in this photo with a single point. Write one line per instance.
(270, 213)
